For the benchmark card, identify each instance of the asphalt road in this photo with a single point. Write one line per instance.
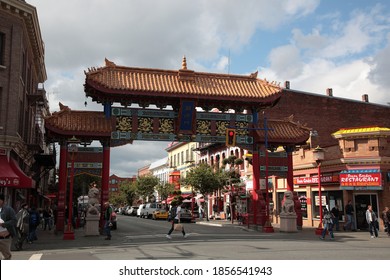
(143, 239)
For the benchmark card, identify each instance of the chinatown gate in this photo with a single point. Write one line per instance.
(244, 98)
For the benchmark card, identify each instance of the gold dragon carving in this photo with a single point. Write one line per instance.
(221, 127)
(123, 124)
(203, 127)
(145, 125)
(166, 126)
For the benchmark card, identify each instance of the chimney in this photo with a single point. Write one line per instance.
(365, 98)
(329, 92)
(287, 84)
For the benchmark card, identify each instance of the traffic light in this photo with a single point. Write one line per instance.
(230, 137)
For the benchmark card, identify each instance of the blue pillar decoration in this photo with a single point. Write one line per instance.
(107, 109)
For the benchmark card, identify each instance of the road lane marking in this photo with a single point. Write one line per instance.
(36, 257)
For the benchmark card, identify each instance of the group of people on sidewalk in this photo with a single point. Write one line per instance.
(331, 221)
(21, 227)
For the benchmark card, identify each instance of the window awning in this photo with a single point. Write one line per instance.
(25, 182)
(8, 177)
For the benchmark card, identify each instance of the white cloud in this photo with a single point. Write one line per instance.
(286, 61)
(340, 60)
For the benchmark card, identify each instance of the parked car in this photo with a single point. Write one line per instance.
(160, 214)
(142, 206)
(132, 211)
(185, 215)
(124, 210)
(147, 212)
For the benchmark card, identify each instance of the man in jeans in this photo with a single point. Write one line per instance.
(107, 220)
(351, 220)
(7, 228)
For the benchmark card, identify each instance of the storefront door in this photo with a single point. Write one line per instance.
(361, 203)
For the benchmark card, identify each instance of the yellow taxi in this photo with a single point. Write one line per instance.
(160, 214)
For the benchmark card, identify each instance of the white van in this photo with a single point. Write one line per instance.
(148, 210)
(142, 206)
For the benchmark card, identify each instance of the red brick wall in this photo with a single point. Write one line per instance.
(327, 114)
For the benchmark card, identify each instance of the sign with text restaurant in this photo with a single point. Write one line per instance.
(361, 177)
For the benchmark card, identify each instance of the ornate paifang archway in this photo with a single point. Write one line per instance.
(185, 91)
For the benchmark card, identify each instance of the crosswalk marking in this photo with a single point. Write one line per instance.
(36, 257)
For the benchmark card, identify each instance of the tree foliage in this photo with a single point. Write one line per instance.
(203, 179)
(164, 190)
(146, 185)
(128, 192)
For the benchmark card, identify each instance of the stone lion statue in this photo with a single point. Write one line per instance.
(288, 205)
(93, 198)
(93, 195)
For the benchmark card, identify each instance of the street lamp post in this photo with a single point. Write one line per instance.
(318, 156)
(72, 149)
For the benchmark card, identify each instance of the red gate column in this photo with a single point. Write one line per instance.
(258, 206)
(62, 180)
(290, 185)
(105, 177)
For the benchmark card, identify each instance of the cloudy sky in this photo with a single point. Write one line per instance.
(315, 44)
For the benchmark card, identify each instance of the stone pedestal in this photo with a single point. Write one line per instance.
(92, 225)
(288, 222)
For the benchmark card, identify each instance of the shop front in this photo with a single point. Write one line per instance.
(308, 195)
(365, 186)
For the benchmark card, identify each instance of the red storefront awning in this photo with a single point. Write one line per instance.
(8, 177)
(25, 181)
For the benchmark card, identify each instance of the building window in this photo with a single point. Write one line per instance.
(329, 199)
(2, 48)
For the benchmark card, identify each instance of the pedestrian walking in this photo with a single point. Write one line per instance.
(349, 211)
(175, 224)
(372, 221)
(328, 224)
(227, 211)
(22, 226)
(107, 220)
(336, 216)
(201, 212)
(7, 228)
(33, 225)
(386, 219)
(47, 217)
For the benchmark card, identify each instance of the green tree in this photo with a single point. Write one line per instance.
(146, 185)
(129, 191)
(203, 179)
(164, 190)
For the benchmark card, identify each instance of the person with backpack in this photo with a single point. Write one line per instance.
(176, 223)
(33, 225)
(328, 224)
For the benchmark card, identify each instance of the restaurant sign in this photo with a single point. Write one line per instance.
(360, 178)
(314, 180)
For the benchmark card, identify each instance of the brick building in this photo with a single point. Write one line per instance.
(25, 159)
(356, 141)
